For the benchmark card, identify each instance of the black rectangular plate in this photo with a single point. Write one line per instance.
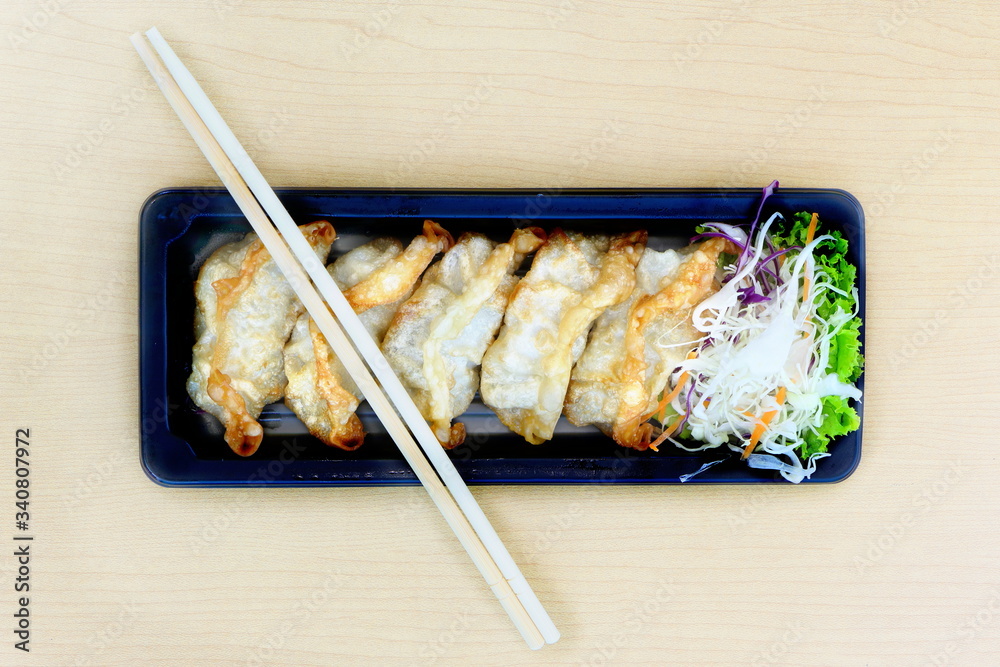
(181, 445)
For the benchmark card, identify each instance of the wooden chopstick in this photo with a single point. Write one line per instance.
(357, 332)
(511, 598)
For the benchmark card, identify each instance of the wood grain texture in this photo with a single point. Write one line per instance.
(897, 103)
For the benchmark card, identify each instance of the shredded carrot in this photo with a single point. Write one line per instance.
(667, 432)
(669, 398)
(758, 430)
(810, 235)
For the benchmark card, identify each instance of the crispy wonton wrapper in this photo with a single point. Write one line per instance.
(637, 345)
(245, 311)
(572, 280)
(376, 278)
(437, 340)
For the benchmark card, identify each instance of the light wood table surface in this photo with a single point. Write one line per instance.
(897, 103)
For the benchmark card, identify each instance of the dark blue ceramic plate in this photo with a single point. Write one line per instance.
(182, 445)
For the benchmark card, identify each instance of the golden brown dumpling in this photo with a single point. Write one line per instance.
(636, 345)
(573, 279)
(376, 278)
(437, 339)
(245, 311)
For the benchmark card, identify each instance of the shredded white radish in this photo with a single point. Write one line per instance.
(754, 349)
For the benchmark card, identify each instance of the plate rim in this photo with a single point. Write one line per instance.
(169, 477)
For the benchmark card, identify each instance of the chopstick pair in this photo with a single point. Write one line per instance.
(262, 207)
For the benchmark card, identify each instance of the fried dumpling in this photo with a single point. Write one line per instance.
(437, 340)
(636, 345)
(376, 279)
(572, 280)
(245, 311)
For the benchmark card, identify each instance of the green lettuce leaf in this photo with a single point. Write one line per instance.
(845, 352)
(846, 360)
(839, 418)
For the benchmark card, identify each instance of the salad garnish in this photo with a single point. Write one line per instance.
(774, 377)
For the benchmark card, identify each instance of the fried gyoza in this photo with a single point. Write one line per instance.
(572, 280)
(636, 345)
(437, 340)
(376, 278)
(245, 311)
